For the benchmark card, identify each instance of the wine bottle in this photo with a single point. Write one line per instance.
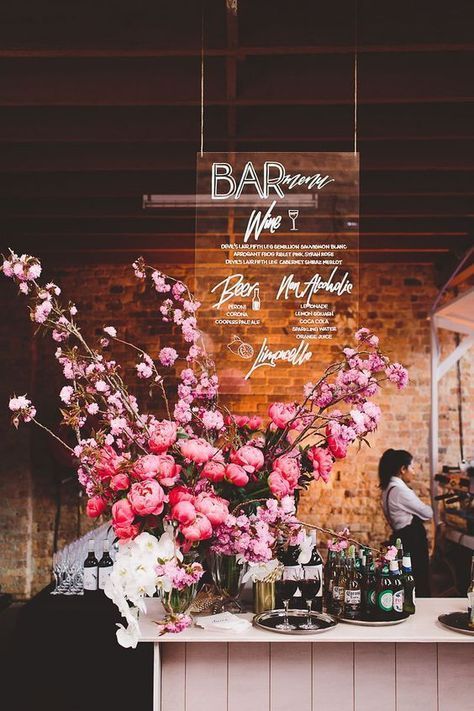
(397, 589)
(369, 585)
(332, 578)
(105, 566)
(384, 594)
(90, 570)
(314, 569)
(352, 591)
(256, 299)
(409, 599)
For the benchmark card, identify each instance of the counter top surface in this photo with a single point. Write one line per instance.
(421, 627)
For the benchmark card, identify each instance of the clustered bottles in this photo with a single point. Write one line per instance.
(96, 573)
(356, 590)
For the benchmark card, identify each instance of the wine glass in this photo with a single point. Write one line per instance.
(286, 588)
(293, 214)
(309, 589)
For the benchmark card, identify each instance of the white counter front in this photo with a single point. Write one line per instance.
(417, 664)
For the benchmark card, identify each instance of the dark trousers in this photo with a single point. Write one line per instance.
(415, 542)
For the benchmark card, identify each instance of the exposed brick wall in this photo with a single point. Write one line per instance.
(394, 302)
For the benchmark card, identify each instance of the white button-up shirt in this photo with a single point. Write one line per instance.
(403, 503)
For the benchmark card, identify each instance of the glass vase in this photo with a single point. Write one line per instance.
(178, 601)
(227, 574)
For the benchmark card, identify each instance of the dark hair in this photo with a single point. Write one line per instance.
(390, 464)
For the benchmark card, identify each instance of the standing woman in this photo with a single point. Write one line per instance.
(405, 513)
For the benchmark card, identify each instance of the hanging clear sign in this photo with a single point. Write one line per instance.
(276, 264)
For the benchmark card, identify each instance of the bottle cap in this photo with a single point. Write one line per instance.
(406, 561)
(313, 537)
(394, 565)
(106, 545)
(91, 544)
(398, 543)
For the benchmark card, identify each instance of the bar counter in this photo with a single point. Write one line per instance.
(416, 664)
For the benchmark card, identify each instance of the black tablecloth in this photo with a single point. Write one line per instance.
(65, 657)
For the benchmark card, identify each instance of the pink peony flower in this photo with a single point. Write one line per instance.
(147, 467)
(322, 463)
(146, 498)
(122, 520)
(214, 469)
(279, 486)
(168, 470)
(288, 466)
(107, 464)
(249, 457)
(254, 423)
(163, 436)
(282, 413)
(214, 508)
(120, 482)
(336, 442)
(180, 493)
(95, 506)
(199, 530)
(212, 420)
(184, 512)
(236, 475)
(196, 450)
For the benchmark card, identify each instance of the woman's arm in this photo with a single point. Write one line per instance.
(409, 501)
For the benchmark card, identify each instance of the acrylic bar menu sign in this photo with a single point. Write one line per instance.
(276, 264)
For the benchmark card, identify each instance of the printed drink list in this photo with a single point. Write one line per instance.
(277, 268)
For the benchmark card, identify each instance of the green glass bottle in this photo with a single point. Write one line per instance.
(409, 601)
(369, 583)
(352, 590)
(399, 546)
(384, 594)
(397, 589)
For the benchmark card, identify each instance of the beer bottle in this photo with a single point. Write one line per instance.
(384, 594)
(397, 589)
(470, 593)
(328, 579)
(368, 587)
(408, 586)
(352, 590)
(339, 587)
(399, 546)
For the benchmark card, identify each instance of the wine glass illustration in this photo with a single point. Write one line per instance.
(293, 214)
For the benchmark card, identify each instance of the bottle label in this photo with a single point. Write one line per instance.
(371, 597)
(398, 601)
(385, 600)
(336, 592)
(90, 579)
(352, 597)
(104, 575)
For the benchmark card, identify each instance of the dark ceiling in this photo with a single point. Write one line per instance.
(100, 104)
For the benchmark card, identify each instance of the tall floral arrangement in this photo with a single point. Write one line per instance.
(201, 478)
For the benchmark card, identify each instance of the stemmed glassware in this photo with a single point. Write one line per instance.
(286, 588)
(309, 587)
(293, 214)
(68, 562)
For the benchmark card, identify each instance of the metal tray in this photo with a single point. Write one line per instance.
(375, 623)
(269, 619)
(456, 621)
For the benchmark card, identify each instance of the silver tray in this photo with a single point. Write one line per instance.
(373, 623)
(267, 621)
(456, 621)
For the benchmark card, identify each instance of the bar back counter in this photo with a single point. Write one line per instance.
(418, 664)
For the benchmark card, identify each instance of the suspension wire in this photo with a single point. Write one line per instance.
(202, 81)
(356, 78)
